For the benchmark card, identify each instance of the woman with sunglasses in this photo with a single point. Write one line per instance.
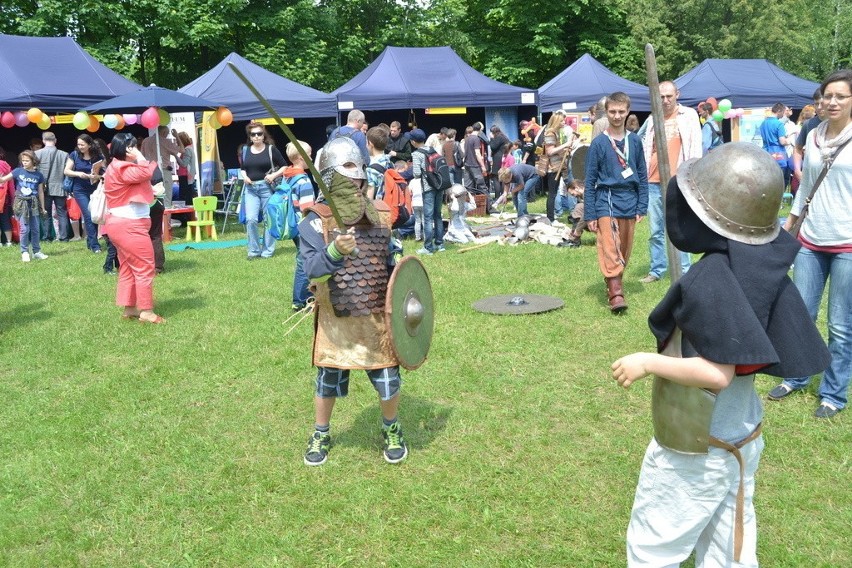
(262, 164)
(826, 237)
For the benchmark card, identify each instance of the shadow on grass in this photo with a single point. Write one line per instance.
(175, 263)
(172, 306)
(422, 422)
(20, 315)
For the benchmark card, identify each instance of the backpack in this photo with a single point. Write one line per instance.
(715, 135)
(397, 196)
(282, 219)
(437, 172)
(458, 157)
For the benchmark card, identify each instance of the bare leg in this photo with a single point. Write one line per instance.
(322, 410)
(389, 407)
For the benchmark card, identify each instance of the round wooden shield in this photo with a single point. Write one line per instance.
(410, 312)
(578, 161)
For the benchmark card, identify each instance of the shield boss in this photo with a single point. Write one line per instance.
(410, 312)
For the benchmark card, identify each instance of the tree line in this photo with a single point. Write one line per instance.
(324, 43)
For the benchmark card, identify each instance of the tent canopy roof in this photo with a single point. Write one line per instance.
(287, 97)
(423, 77)
(584, 82)
(54, 74)
(748, 83)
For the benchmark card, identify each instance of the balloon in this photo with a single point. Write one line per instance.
(7, 119)
(214, 122)
(34, 115)
(164, 117)
(94, 123)
(717, 115)
(110, 121)
(224, 116)
(44, 122)
(731, 114)
(21, 118)
(81, 120)
(713, 103)
(120, 120)
(130, 119)
(725, 105)
(150, 118)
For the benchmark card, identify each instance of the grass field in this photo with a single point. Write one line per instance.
(124, 444)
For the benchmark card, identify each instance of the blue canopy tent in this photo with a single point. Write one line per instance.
(425, 77)
(54, 74)
(583, 83)
(748, 83)
(287, 97)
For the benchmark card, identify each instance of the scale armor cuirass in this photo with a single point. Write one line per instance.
(359, 288)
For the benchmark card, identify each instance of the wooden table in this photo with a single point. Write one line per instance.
(167, 220)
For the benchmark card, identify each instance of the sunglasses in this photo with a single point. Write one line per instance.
(253, 134)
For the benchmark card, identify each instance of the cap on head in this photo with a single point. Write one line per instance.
(736, 191)
(417, 135)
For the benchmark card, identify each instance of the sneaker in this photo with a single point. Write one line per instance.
(441, 248)
(318, 446)
(779, 392)
(39, 255)
(424, 251)
(649, 279)
(7, 244)
(395, 448)
(75, 239)
(97, 250)
(25, 256)
(825, 410)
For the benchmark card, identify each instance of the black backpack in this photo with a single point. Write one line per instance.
(437, 171)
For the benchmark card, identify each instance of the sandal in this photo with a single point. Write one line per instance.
(129, 316)
(158, 319)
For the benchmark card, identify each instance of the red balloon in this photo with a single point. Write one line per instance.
(7, 119)
(150, 118)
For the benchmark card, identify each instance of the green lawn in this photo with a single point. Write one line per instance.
(124, 444)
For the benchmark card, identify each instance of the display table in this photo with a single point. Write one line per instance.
(167, 220)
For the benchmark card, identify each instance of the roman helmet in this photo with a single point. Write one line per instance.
(736, 191)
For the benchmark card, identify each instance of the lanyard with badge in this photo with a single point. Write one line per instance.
(623, 157)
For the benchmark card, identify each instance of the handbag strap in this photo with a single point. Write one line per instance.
(827, 166)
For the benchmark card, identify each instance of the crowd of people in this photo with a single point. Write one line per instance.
(729, 218)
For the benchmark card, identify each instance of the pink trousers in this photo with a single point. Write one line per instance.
(136, 258)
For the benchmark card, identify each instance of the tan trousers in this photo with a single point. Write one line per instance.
(614, 242)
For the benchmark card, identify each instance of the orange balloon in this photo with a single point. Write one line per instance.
(34, 115)
(94, 123)
(224, 116)
(121, 122)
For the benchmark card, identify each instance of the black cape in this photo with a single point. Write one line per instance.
(737, 305)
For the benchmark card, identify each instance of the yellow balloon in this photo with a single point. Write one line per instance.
(44, 122)
(164, 116)
(214, 122)
(34, 115)
(81, 120)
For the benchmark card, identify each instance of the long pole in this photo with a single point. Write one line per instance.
(673, 255)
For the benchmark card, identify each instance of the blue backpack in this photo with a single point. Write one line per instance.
(281, 216)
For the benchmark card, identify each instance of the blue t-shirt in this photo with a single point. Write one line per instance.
(771, 131)
(27, 182)
(82, 165)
